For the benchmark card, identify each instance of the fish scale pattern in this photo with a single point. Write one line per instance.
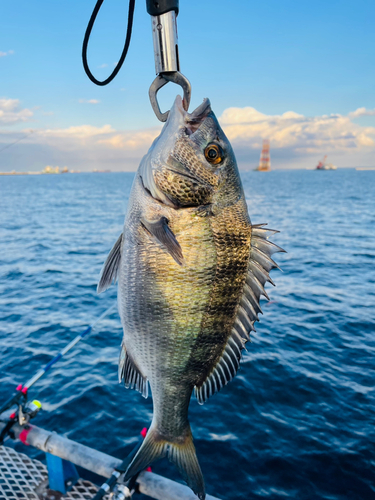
(181, 190)
(231, 234)
(163, 305)
(187, 155)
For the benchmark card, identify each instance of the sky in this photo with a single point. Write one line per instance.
(299, 73)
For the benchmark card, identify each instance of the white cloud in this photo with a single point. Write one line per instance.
(250, 115)
(82, 147)
(89, 101)
(103, 65)
(362, 112)
(246, 127)
(132, 140)
(296, 140)
(79, 132)
(82, 139)
(10, 112)
(4, 54)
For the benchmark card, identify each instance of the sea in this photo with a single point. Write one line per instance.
(297, 422)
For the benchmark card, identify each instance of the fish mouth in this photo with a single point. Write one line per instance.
(178, 168)
(194, 119)
(197, 117)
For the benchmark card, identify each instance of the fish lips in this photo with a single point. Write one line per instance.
(195, 119)
(191, 121)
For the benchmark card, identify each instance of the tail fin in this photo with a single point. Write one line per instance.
(182, 455)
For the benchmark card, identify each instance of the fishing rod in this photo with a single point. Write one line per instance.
(27, 411)
(124, 491)
(21, 390)
(165, 40)
(18, 140)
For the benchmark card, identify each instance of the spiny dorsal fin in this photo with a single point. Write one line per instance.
(160, 230)
(131, 375)
(111, 267)
(260, 273)
(265, 246)
(260, 263)
(261, 231)
(225, 369)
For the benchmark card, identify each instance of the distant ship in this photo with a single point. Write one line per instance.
(265, 160)
(322, 165)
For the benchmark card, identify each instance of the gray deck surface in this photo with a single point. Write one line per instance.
(22, 478)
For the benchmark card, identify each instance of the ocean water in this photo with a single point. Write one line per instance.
(298, 420)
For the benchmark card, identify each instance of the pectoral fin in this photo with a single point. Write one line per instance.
(160, 230)
(111, 266)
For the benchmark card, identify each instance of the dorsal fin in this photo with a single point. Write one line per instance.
(260, 263)
(111, 267)
(225, 369)
(132, 376)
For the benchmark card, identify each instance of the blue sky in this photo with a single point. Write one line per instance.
(314, 59)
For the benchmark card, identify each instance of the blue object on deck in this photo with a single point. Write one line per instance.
(62, 475)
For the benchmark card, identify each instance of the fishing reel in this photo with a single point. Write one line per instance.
(28, 411)
(22, 415)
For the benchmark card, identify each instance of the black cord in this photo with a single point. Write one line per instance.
(126, 46)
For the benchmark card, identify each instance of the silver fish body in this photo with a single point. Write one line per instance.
(191, 269)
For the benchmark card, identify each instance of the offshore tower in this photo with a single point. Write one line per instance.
(265, 160)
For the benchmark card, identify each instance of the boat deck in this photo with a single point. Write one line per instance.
(22, 478)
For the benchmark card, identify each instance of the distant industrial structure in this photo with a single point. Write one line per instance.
(51, 170)
(265, 159)
(46, 170)
(322, 165)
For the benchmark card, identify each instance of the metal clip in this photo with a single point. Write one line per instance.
(159, 82)
(167, 64)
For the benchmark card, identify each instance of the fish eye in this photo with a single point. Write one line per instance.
(214, 154)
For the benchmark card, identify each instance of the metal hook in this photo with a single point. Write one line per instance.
(159, 82)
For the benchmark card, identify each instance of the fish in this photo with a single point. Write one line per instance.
(191, 269)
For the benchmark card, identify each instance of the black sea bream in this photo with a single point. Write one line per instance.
(191, 269)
